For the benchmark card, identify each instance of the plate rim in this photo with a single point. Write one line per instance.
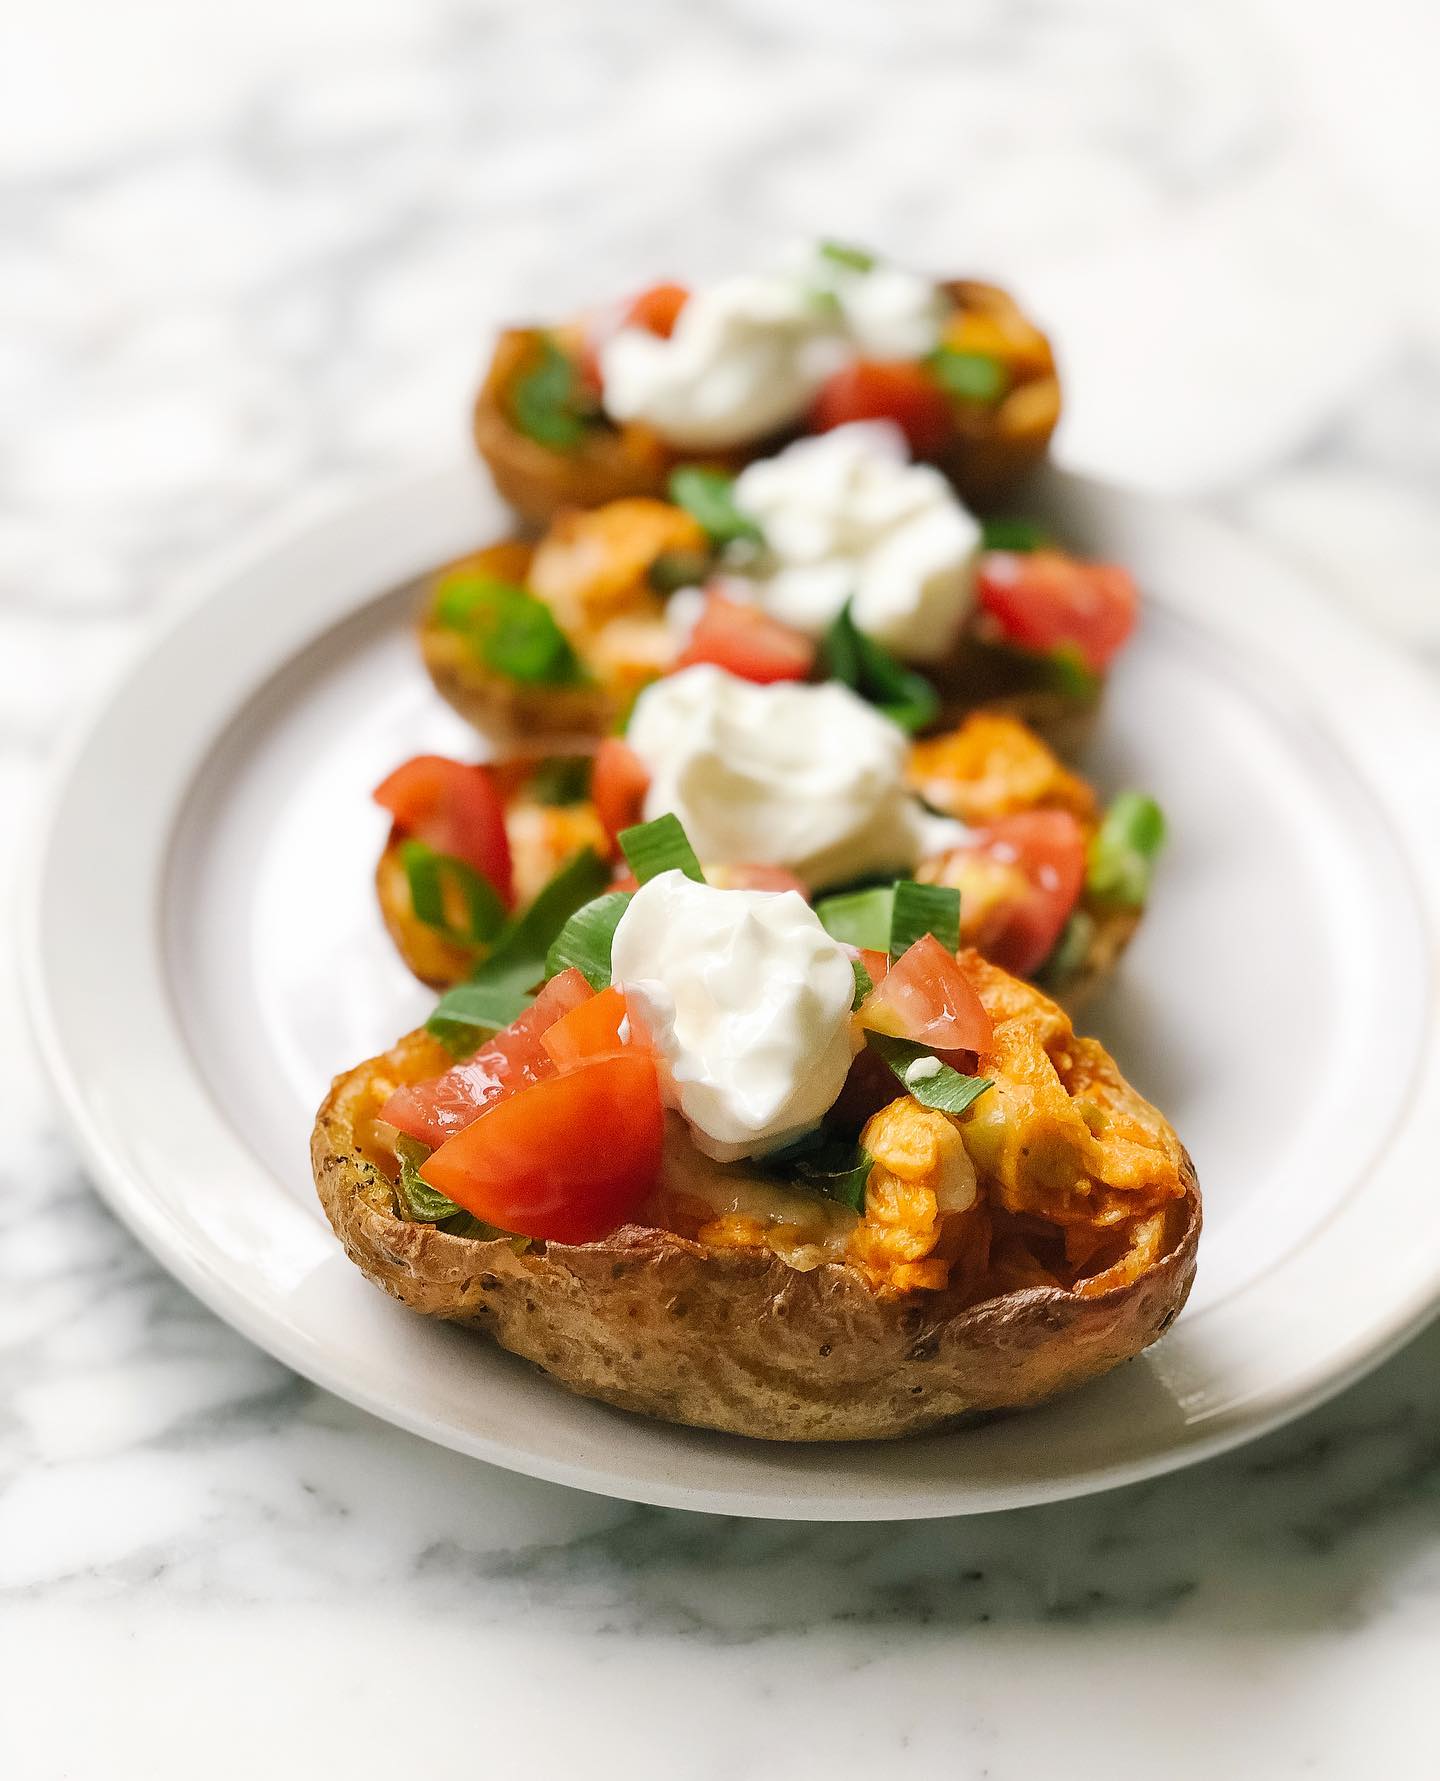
(224, 1294)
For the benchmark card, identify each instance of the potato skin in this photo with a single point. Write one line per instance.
(993, 451)
(732, 1339)
(538, 482)
(530, 719)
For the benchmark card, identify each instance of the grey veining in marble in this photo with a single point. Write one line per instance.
(248, 256)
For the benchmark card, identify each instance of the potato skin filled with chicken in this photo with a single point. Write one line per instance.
(1077, 1252)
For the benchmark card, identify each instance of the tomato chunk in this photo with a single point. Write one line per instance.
(454, 808)
(618, 784)
(1048, 846)
(567, 1159)
(589, 1030)
(434, 1111)
(928, 998)
(748, 643)
(877, 964)
(887, 390)
(1044, 600)
(658, 309)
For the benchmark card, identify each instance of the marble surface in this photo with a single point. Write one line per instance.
(248, 257)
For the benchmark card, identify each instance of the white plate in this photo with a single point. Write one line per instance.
(202, 953)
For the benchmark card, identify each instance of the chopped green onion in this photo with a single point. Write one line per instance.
(859, 918)
(518, 960)
(825, 1163)
(472, 1011)
(1071, 676)
(970, 376)
(864, 983)
(674, 569)
(509, 629)
(1022, 535)
(921, 909)
(422, 1204)
(427, 872)
(1070, 953)
(1123, 850)
(855, 259)
(659, 846)
(585, 940)
(931, 1082)
(709, 497)
(562, 779)
(549, 402)
(419, 1202)
(496, 992)
(905, 697)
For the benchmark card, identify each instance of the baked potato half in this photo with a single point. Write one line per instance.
(732, 1303)
(1038, 894)
(550, 642)
(560, 449)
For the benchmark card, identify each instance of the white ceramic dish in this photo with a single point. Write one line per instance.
(202, 953)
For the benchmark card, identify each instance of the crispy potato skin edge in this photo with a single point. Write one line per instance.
(732, 1339)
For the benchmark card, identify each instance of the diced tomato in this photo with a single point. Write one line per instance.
(567, 1159)
(618, 784)
(1049, 848)
(1044, 600)
(658, 309)
(434, 1111)
(928, 998)
(747, 643)
(877, 964)
(454, 808)
(589, 1030)
(886, 390)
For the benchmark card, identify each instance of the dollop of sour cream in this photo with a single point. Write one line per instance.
(747, 355)
(847, 516)
(745, 358)
(887, 311)
(806, 777)
(746, 1000)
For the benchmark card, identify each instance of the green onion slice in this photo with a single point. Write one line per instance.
(825, 1163)
(674, 569)
(931, 1082)
(586, 938)
(905, 697)
(859, 918)
(969, 376)
(1123, 850)
(1071, 676)
(1071, 951)
(709, 497)
(496, 992)
(1019, 535)
(660, 846)
(854, 259)
(508, 628)
(549, 403)
(427, 874)
(864, 983)
(921, 909)
(562, 779)
(420, 1203)
(473, 1011)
